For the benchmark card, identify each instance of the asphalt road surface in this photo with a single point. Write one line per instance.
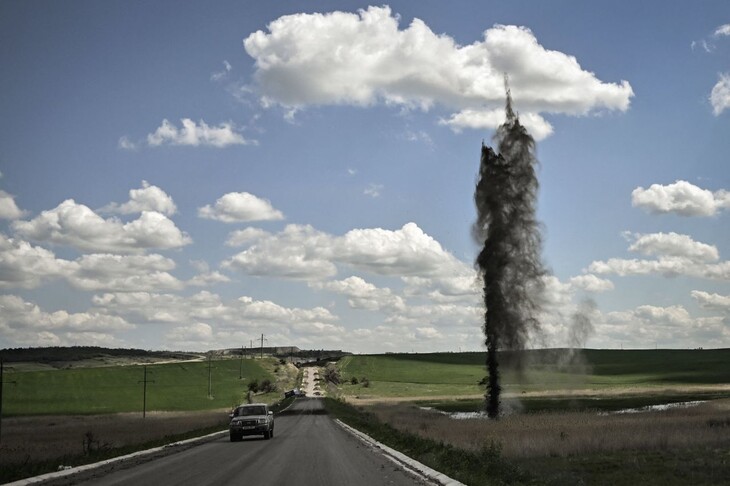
(308, 448)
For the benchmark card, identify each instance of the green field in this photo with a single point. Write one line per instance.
(452, 374)
(171, 387)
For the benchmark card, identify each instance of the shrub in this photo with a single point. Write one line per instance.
(353, 381)
(332, 375)
(365, 382)
(267, 386)
(253, 386)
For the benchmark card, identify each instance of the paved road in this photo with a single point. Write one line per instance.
(308, 448)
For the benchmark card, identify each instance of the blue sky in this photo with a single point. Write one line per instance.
(192, 175)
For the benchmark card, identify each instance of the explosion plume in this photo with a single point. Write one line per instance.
(509, 262)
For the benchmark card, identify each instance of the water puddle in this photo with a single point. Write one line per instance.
(649, 408)
(656, 408)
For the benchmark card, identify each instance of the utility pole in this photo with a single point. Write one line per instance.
(210, 382)
(262, 345)
(2, 381)
(144, 392)
(240, 364)
(1, 398)
(251, 346)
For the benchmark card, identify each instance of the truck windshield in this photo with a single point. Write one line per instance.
(244, 411)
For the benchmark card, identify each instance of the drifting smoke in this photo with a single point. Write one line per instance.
(509, 262)
(581, 328)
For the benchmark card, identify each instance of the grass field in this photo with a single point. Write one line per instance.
(171, 387)
(559, 426)
(454, 375)
(85, 414)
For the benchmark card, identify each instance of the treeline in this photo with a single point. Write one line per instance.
(78, 353)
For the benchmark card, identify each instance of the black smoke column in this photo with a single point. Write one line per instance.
(509, 262)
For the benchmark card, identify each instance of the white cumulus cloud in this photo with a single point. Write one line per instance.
(23, 265)
(363, 295)
(19, 313)
(227, 319)
(78, 226)
(146, 198)
(8, 208)
(682, 198)
(302, 252)
(674, 245)
(123, 273)
(27, 324)
(712, 301)
(675, 255)
(240, 207)
(720, 94)
(298, 252)
(364, 58)
(723, 30)
(591, 283)
(196, 134)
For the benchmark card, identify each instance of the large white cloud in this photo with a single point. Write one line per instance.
(666, 266)
(192, 134)
(682, 198)
(242, 314)
(648, 326)
(23, 265)
(78, 226)
(24, 322)
(298, 252)
(302, 252)
(675, 255)
(720, 94)
(8, 208)
(712, 301)
(17, 313)
(237, 207)
(364, 58)
(364, 295)
(146, 198)
(463, 285)
(124, 273)
(674, 245)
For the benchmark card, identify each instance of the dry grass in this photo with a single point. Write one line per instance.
(49, 438)
(569, 433)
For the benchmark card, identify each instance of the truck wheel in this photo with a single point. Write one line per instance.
(272, 433)
(267, 435)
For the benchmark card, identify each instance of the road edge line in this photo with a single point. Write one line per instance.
(401, 458)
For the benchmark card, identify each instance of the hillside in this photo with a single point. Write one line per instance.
(85, 356)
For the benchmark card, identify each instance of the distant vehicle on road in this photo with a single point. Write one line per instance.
(252, 419)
